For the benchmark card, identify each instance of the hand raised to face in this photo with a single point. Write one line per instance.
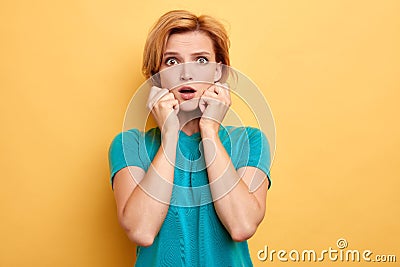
(164, 107)
(214, 103)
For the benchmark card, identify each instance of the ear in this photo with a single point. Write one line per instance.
(218, 72)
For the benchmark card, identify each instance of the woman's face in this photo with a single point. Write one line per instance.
(188, 67)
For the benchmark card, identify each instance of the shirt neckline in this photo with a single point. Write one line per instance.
(193, 136)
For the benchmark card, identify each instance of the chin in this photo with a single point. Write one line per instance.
(189, 105)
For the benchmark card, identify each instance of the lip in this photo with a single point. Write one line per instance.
(187, 95)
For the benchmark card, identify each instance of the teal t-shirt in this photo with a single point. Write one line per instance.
(192, 234)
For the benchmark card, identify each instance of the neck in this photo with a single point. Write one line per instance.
(189, 121)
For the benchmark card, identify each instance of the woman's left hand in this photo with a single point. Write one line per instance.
(214, 103)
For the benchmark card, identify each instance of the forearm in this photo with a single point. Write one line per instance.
(148, 204)
(237, 208)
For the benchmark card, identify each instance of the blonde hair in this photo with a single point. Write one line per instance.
(180, 21)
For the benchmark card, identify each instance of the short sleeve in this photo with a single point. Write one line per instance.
(256, 152)
(123, 152)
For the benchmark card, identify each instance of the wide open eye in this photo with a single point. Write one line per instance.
(171, 61)
(202, 60)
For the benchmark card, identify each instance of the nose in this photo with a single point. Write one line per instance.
(186, 74)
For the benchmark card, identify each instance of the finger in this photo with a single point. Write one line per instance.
(153, 91)
(169, 102)
(168, 96)
(202, 104)
(211, 101)
(223, 88)
(216, 99)
(176, 107)
(223, 85)
(155, 95)
(210, 94)
(211, 88)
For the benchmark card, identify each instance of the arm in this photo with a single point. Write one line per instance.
(239, 209)
(143, 198)
(142, 209)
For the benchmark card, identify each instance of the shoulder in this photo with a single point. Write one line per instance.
(136, 134)
(132, 133)
(239, 132)
(133, 138)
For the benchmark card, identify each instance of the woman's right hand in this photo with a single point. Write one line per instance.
(164, 107)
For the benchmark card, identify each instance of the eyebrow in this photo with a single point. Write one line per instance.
(173, 53)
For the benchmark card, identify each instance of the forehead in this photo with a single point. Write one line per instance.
(189, 42)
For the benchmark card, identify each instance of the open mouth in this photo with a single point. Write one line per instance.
(187, 92)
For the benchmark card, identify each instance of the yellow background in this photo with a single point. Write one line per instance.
(329, 69)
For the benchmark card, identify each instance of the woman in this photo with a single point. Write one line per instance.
(182, 188)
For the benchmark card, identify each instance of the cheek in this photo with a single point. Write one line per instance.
(169, 78)
(201, 87)
(204, 74)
